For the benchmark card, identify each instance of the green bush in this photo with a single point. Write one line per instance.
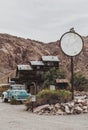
(50, 76)
(53, 96)
(80, 82)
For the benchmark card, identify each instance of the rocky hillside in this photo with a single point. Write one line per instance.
(15, 50)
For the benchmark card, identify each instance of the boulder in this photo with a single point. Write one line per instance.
(78, 110)
(39, 108)
(57, 106)
(70, 104)
(67, 110)
(59, 112)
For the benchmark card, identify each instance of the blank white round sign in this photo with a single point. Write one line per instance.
(71, 43)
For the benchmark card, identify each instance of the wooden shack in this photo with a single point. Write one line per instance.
(37, 65)
(33, 71)
(23, 73)
(50, 61)
(62, 83)
(26, 74)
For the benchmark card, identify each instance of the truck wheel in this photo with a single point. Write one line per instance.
(5, 100)
(12, 97)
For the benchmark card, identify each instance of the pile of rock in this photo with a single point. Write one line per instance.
(77, 106)
(82, 93)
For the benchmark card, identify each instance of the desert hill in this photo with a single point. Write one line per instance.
(15, 50)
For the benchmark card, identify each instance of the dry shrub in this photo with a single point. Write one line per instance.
(15, 102)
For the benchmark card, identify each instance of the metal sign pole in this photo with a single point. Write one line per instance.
(71, 44)
(72, 78)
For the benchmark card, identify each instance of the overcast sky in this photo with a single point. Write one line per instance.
(43, 20)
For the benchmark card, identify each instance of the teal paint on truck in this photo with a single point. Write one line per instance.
(19, 95)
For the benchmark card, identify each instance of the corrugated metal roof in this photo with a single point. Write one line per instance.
(50, 58)
(24, 67)
(37, 63)
(4, 84)
(62, 81)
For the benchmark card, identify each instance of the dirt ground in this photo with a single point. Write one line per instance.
(14, 117)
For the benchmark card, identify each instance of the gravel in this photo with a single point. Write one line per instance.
(15, 117)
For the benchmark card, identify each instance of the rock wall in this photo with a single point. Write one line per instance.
(74, 107)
